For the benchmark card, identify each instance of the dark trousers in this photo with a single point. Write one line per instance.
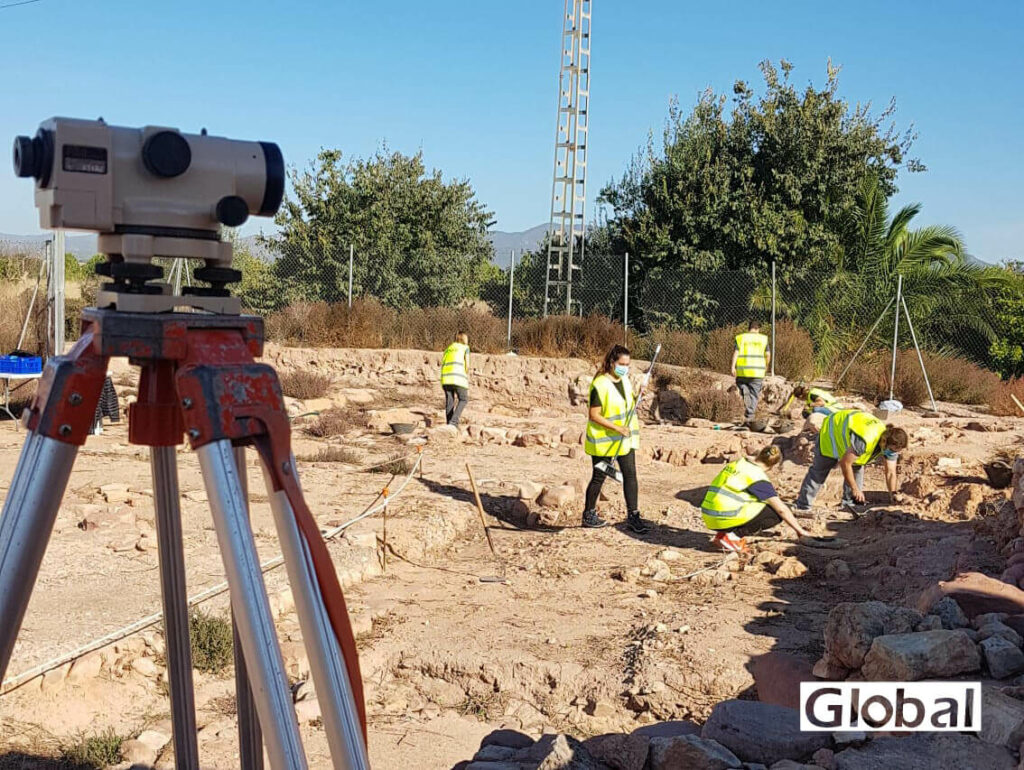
(630, 488)
(750, 392)
(455, 400)
(766, 519)
(821, 466)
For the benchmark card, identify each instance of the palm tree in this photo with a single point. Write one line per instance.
(947, 295)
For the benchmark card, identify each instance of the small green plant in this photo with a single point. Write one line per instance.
(335, 422)
(334, 454)
(396, 465)
(304, 384)
(713, 404)
(212, 642)
(92, 751)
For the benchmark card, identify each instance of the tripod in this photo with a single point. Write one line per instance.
(199, 379)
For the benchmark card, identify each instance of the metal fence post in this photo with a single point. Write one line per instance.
(895, 336)
(351, 251)
(773, 318)
(511, 281)
(625, 300)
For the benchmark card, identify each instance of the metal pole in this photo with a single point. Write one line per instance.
(251, 607)
(511, 281)
(351, 252)
(250, 736)
(174, 594)
(625, 300)
(57, 284)
(920, 358)
(865, 342)
(26, 523)
(773, 318)
(330, 676)
(895, 336)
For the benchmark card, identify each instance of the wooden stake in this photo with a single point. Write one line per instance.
(1018, 403)
(480, 510)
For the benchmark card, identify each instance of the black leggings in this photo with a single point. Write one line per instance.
(766, 519)
(627, 464)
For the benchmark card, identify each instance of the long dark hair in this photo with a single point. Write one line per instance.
(617, 352)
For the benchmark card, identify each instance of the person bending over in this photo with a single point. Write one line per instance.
(742, 501)
(613, 435)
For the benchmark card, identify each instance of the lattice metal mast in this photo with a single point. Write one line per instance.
(567, 231)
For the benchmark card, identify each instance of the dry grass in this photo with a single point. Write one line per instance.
(1001, 402)
(715, 405)
(567, 336)
(870, 376)
(962, 382)
(677, 347)
(212, 642)
(719, 347)
(396, 465)
(334, 454)
(794, 351)
(92, 751)
(335, 422)
(305, 384)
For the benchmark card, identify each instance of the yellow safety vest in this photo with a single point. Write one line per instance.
(600, 441)
(727, 503)
(455, 365)
(837, 431)
(751, 360)
(824, 395)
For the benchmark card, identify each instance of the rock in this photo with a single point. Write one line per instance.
(825, 758)
(669, 554)
(949, 613)
(630, 575)
(115, 493)
(692, 753)
(1002, 657)
(520, 512)
(1002, 719)
(967, 499)
(137, 753)
(154, 739)
(511, 738)
(558, 752)
(1016, 622)
(493, 435)
(900, 620)
(850, 629)
(909, 657)
(948, 462)
(557, 497)
(978, 426)
(769, 561)
(789, 764)
(976, 594)
(929, 623)
(358, 396)
(989, 617)
(777, 677)
(144, 667)
(85, 669)
(657, 570)
(824, 669)
(443, 433)
(790, 568)
(921, 487)
(997, 628)
(837, 569)
(530, 491)
(669, 729)
(926, 751)
(620, 752)
(494, 753)
(530, 439)
(761, 732)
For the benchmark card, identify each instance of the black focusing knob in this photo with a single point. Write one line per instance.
(232, 211)
(34, 157)
(24, 157)
(166, 154)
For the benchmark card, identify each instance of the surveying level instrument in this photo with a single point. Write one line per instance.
(158, 192)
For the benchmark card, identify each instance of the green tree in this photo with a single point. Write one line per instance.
(766, 181)
(418, 240)
(1006, 353)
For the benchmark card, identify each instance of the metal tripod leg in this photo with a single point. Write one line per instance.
(166, 496)
(330, 677)
(40, 478)
(252, 609)
(250, 738)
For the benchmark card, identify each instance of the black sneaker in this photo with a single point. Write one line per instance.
(636, 523)
(592, 521)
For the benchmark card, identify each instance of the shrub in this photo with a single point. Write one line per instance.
(870, 375)
(211, 640)
(305, 383)
(719, 347)
(714, 404)
(396, 465)
(794, 351)
(334, 454)
(567, 336)
(677, 347)
(93, 751)
(958, 380)
(1001, 401)
(334, 422)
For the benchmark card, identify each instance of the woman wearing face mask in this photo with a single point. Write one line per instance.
(613, 435)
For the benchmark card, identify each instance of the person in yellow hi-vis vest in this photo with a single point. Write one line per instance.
(851, 439)
(455, 378)
(750, 361)
(742, 501)
(816, 401)
(613, 434)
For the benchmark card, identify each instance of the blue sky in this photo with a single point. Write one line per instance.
(473, 84)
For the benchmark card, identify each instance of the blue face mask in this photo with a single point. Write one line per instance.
(621, 371)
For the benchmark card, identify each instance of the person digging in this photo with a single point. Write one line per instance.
(741, 501)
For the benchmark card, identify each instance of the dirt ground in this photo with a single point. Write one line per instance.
(594, 630)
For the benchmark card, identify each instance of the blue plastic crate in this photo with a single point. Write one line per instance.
(8, 365)
(30, 365)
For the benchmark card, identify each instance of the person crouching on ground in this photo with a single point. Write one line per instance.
(851, 439)
(816, 401)
(455, 378)
(742, 501)
(613, 435)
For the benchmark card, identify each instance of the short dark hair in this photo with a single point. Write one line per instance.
(755, 324)
(770, 456)
(895, 438)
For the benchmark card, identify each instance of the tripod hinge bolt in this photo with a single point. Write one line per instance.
(64, 430)
(75, 399)
(193, 433)
(186, 403)
(286, 467)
